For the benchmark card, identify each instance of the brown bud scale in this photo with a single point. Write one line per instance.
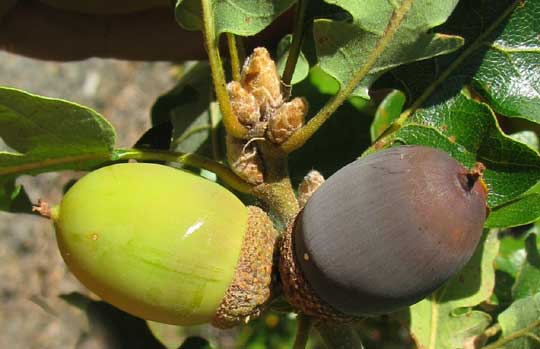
(311, 182)
(260, 77)
(288, 118)
(244, 160)
(243, 104)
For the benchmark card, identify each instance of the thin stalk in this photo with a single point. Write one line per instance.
(276, 191)
(492, 331)
(214, 120)
(302, 331)
(231, 123)
(524, 332)
(233, 56)
(241, 48)
(339, 335)
(223, 172)
(441, 78)
(296, 44)
(301, 136)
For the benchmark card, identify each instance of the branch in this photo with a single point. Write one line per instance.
(234, 56)
(231, 123)
(302, 332)
(456, 63)
(223, 172)
(524, 332)
(296, 44)
(339, 335)
(300, 137)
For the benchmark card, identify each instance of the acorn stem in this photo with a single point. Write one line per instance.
(339, 335)
(43, 209)
(302, 333)
(277, 189)
(223, 172)
(513, 336)
(469, 179)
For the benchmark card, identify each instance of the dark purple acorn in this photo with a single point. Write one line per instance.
(383, 232)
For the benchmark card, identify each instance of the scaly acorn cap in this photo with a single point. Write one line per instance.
(252, 284)
(295, 287)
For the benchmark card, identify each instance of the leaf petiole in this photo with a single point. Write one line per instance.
(339, 335)
(302, 333)
(300, 137)
(296, 44)
(231, 123)
(444, 75)
(524, 332)
(234, 56)
(223, 172)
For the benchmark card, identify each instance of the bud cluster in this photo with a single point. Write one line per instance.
(258, 102)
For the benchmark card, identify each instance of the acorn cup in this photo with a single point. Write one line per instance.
(382, 233)
(166, 245)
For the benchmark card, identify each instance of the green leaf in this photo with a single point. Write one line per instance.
(520, 321)
(240, 17)
(13, 198)
(186, 106)
(44, 134)
(523, 210)
(444, 320)
(509, 76)
(387, 112)
(301, 70)
(339, 140)
(527, 137)
(512, 252)
(508, 263)
(512, 166)
(528, 278)
(324, 83)
(469, 132)
(342, 47)
(503, 67)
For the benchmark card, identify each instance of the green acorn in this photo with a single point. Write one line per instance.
(166, 245)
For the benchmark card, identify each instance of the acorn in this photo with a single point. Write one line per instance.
(382, 233)
(166, 245)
